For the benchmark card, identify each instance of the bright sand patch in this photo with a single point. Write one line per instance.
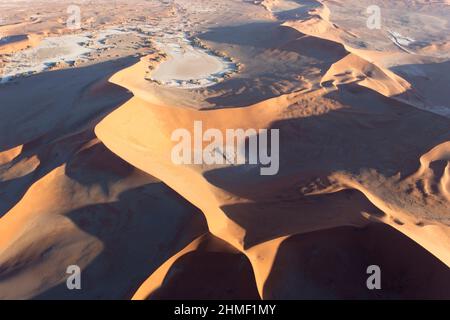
(189, 66)
(186, 64)
(58, 52)
(51, 51)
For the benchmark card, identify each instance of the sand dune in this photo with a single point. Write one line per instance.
(195, 262)
(225, 221)
(220, 209)
(434, 170)
(9, 155)
(87, 176)
(327, 261)
(354, 69)
(39, 239)
(148, 157)
(320, 24)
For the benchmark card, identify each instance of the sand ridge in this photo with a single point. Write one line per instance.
(364, 169)
(140, 154)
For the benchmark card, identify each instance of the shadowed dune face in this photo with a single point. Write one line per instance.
(209, 276)
(324, 150)
(343, 137)
(332, 264)
(296, 213)
(74, 99)
(429, 81)
(293, 62)
(118, 227)
(39, 134)
(215, 270)
(68, 200)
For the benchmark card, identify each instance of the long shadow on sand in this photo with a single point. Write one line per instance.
(218, 274)
(54, 118)
(53, 104)
(302, 12)
(368, 135)
(430, 82)
(365, 132)
(286, 54)
(370, 138)
(139, 232)
(254, 34)
(332, 264)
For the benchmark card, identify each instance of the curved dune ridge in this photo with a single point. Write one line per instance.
(88, 179)
(126, 133)
(91, 229)
(434, 168)
(378, 193)
(319, 24)
(353, 67)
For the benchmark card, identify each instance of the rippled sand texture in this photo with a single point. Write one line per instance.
(86, 176)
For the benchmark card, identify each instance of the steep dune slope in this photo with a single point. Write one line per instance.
(420, 65)
(354, 69)
(348, 158)
(67, 200)
(140, 133)
(326, 263)
(96, 212)
(192, 274)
